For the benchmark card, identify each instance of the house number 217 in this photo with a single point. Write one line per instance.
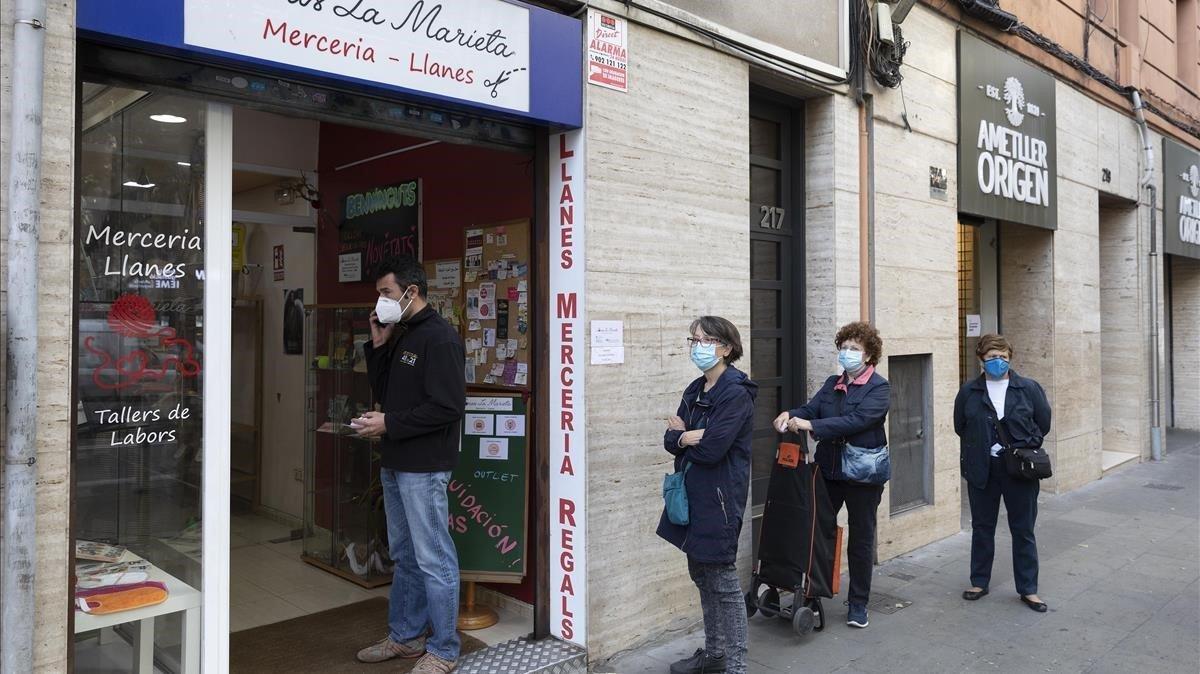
(772, 217)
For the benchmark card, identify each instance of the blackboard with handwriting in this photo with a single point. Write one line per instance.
(488, 490)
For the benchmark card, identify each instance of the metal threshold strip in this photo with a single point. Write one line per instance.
(526, 656)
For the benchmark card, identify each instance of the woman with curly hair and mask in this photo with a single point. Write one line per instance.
(849, 409)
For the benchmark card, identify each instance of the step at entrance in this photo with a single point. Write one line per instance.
(525, 656)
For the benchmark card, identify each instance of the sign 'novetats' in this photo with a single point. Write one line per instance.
(1181, 199)
(1006, 136)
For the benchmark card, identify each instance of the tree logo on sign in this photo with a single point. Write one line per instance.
(1014, 100)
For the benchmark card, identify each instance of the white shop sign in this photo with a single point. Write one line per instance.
(568, 441)
(473, 50)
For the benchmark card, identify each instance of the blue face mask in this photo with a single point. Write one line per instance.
(996, 367)
(705, 357)
(850, 360)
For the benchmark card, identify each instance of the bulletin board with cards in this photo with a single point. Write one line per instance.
(496, 290)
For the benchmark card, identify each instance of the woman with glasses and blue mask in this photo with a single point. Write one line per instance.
(999, 409)
(709, 436)
(848, 413)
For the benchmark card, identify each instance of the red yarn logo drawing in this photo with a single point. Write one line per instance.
(134, 316)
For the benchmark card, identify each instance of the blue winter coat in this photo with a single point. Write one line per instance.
(719, 480)
(859, 423)
(1026, 419)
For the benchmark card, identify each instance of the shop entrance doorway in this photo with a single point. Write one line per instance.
(978, 301)
(311, 206)
(776, 281)
(978, 289)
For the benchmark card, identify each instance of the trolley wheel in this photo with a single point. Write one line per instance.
(751, 604)
(815, 605)
(803, 620)
(768, 602)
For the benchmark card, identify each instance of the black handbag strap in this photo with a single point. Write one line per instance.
(1002, 433)
(840, 398)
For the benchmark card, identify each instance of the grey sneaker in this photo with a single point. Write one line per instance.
(699, 663)
(432, 664)
(387, 649)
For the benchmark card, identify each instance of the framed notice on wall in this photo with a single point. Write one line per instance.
(488, 490)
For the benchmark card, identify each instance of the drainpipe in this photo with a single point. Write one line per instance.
(17, 561)
(864, 204)
(1147, 183)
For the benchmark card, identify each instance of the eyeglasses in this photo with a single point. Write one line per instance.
(705, 341)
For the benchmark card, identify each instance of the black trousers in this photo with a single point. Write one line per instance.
(861, 501)
(1020, 500)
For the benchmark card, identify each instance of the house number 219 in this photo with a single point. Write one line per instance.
(772, 217)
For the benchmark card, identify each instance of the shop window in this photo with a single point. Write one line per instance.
(1187, 43)
(139, 340)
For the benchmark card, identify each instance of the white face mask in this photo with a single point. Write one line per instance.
(390, 311)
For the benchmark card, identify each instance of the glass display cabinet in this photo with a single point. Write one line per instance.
(345, 531)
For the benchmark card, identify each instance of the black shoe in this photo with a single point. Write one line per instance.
(699, 663)
(972, 595)
(1039, 606)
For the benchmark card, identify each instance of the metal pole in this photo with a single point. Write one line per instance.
(1147, 183)
(18, 561)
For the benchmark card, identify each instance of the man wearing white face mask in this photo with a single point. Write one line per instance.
(415, 363)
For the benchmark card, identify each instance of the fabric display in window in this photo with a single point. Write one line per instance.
(116, 598)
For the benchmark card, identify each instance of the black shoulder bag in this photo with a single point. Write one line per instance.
(1023, 463)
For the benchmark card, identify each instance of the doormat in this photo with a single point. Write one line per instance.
(321, 642)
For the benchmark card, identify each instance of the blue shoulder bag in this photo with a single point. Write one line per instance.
(869, 465)
(675, 496)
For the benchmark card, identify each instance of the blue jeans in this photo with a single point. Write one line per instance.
(1020, 500)
(425, 582)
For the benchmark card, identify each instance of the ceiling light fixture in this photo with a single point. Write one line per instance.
(143, 181)
(169, 119)
(184, 163)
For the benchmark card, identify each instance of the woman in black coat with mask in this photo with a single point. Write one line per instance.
(1000, 396)
(710, 435)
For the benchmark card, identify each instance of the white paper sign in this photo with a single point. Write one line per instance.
(608, 333)
(608, 355)
(448, 275)
(479, 424)
(472, 50)
(974, 325)
(489, 404)
(511, 425)
(487, 301)
(350, 268)
(495, 449)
